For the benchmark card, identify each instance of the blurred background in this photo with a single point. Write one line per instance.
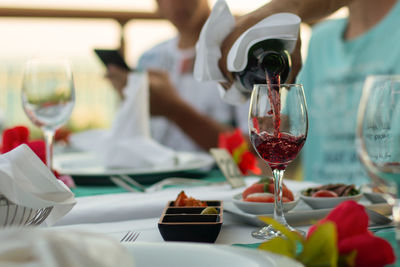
(73, 29)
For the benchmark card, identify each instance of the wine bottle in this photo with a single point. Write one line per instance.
(267, 62)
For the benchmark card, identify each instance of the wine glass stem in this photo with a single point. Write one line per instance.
(49, 137)
(278, 210)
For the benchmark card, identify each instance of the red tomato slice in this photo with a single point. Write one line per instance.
(254, 188)
(259, 198)
(286, 193)
(180, 199)
(263, 197)
(324, 193)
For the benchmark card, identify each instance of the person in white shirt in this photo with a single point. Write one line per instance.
(186, 114)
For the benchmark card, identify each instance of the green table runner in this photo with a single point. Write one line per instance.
(214, 175)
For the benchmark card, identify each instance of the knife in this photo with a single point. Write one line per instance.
(377, 219)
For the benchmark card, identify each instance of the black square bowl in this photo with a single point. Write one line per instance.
(188, 224)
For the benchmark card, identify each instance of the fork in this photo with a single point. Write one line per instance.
(130, 236)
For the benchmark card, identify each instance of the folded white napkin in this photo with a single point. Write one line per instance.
(219, 24)
(26, 181)
(128, 142)
(60, 248)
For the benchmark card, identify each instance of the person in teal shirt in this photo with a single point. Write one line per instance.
(342, 53)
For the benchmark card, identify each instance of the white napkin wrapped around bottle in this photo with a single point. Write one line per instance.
(26, 181)
(128, 143)
(36, 247)
(220, 23)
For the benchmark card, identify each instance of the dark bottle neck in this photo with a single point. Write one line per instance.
(274, 63)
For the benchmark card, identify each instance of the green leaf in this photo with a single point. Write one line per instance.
(285, 245)
(238, 152)
(348, 259)
(320, 249)
(292, 236)
(280, 246)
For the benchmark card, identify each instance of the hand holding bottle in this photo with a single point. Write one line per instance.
(294, 58)
(308, 10)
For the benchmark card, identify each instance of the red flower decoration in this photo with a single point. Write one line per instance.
(39, 147)
(372, 251)
(237, 146)
(231, 141)
(351, 222)
(19, 135)
(248, 162)
(62, 135)
(14, 137)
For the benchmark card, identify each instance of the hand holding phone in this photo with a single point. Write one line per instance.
(111, 56)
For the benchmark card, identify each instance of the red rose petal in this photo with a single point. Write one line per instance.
(39, 147)
(350, 219)
(231, 140)
(372, 251)
(248, 163)
(14, 137)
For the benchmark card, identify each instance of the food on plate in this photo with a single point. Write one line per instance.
(263, 197)
(209, 210)
(332, 190)
(182, 200)
(324, 193)
(263, 191)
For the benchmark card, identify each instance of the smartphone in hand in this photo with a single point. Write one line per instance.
(112, 56)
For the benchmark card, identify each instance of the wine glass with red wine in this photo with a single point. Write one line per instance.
(378, 137)
(278, 125)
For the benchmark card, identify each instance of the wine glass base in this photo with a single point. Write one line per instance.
(268, 232)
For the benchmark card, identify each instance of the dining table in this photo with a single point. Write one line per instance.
(114, 211)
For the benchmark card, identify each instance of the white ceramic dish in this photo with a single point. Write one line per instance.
(327, 202)
(87, 164)
(260, 208)
(179, 254)
(301, 215)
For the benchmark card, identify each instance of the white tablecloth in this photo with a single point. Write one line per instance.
(232, 231)
(116, 214)
(133, 206)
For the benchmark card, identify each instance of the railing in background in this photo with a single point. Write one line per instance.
(95, 98)
(122, 17)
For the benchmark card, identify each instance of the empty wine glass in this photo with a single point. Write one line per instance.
(48, 96)
(378, 136)
(278, 125)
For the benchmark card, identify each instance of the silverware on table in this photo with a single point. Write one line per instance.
(132, 185)
(133, 182)
(130, 236)
(128, 184)
(378, 220)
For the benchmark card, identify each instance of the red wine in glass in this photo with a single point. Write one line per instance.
(273, 79)
(278, 152)
(278, 129)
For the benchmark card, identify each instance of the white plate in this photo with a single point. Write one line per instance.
(87, 164)
(301, 215)
(260, 208)
(180, 254)
(327, 202)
